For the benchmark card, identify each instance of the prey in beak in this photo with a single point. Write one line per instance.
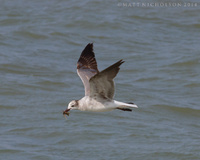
(66, 112)
(73, 105)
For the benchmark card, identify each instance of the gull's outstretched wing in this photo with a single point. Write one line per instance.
(87, 67)
(102, 84)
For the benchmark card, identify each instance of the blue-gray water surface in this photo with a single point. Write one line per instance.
(40, 43)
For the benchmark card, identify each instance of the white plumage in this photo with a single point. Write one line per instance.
(99, 86)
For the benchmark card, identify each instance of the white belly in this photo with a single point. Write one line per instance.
(89, 104)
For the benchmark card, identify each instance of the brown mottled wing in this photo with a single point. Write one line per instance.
(102, 84)
(87, 67)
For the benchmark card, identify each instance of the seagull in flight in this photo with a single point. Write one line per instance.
(99, 86)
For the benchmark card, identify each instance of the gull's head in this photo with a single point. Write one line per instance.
(71, 106)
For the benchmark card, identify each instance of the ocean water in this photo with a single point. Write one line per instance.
(40, 43)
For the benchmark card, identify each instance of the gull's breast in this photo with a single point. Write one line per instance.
(90, 104)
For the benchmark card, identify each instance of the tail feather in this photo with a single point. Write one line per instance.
(125, 109)
(129, 102)
(125, 105)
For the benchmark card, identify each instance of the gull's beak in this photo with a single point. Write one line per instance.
(66, 112)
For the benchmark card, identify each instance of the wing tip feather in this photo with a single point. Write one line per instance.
(87, 58)
(121, 61)
(89, 45)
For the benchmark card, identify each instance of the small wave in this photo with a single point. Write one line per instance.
(193, 85)
(197, 25)
(9, 151)
(148, 79)
(7, 107)
(181, 110)
(186, 63)
(31, 35)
